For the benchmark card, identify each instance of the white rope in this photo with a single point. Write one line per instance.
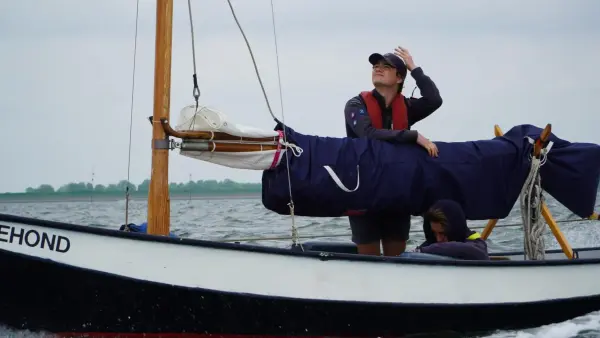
(339, 183)
(531, 202)
(296, 150)
(533, 224)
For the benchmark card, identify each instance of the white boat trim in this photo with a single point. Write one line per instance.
(303, 276)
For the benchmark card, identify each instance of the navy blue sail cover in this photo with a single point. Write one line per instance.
(485, 177)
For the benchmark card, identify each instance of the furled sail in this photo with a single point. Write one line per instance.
(230, 144)
(333, 177)
(340, 176)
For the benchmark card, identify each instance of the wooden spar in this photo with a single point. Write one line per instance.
(227, 147)
(491, 223)
(158, 195)
(560, 237)
(207, 135)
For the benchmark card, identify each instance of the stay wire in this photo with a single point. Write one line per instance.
(277, 60)
(253, 60)
(291, 204)
(137, 11)
(287, 158)
(196, 91)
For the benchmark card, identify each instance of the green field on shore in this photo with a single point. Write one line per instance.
(88, 191)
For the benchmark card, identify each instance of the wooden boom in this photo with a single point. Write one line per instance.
(209, 135)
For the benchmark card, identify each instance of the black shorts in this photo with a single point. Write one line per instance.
(373, 228)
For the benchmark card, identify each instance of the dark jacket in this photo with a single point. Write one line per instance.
(358, 123)
(459, 245)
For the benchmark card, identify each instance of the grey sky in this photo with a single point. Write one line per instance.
(66, 74)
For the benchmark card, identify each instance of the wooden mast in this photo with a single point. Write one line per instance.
(158, 195)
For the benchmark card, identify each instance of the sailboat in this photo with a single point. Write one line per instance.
(76, 279)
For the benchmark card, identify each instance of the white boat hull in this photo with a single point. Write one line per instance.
(257, 281)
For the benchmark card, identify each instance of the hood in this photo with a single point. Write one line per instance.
(456, 229)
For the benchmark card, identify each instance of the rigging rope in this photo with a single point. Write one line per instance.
(531, 202)
(291, 204)
(287, 158)
(137, 11)
(347, 234)
(253, 60)
(196, 91)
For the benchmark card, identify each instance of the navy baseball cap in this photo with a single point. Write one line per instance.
(391, 59)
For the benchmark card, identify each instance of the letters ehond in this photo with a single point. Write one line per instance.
(33, 238)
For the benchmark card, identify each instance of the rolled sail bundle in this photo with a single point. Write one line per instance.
(485, 177)
(209, 135)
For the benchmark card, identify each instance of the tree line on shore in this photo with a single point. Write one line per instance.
(191, 187)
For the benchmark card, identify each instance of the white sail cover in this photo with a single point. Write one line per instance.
(209, 119)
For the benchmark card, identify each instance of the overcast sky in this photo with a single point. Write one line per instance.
(66, 70)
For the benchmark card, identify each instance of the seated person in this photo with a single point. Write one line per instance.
(447, 233)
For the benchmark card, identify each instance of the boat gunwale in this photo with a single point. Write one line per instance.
(321, 255)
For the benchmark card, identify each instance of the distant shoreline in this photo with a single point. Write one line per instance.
(103, 197)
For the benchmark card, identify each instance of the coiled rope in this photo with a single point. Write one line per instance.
(531, 201)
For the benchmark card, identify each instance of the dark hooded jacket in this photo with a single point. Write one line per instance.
(463, 243)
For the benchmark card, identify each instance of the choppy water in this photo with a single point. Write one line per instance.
(223, 219)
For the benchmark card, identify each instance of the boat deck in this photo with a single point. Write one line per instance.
(350, 248)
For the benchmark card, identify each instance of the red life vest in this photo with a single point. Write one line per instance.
(399, 122)
(399, 114)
